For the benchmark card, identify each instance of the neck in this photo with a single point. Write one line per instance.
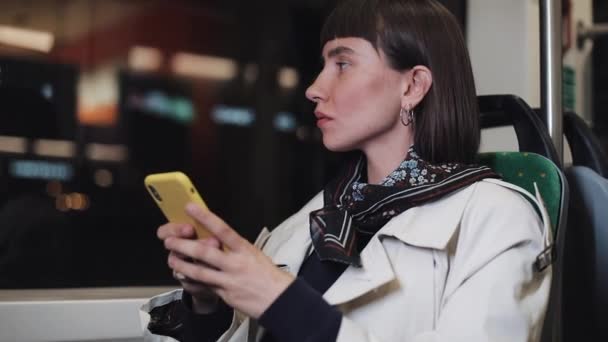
(384, 156)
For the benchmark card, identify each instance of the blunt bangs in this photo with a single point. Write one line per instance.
(352, 19)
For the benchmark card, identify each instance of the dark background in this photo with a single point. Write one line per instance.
(253, 176)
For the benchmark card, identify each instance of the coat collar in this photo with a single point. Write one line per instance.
(429, 226)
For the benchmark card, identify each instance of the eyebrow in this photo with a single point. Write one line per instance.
(338, 50)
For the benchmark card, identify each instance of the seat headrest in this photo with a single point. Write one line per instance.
(505, 110)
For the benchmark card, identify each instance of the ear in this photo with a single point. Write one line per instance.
(417, 82)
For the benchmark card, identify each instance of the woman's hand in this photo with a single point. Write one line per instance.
(243, 276)
(204, 299)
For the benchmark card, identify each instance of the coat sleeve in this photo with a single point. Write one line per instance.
(492, 292)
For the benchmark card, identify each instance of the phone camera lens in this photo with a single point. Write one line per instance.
(154, 193)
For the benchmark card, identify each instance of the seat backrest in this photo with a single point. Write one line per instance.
(586, 148)
(510, 110)
(537, 162)
(586, 262)
(524, 169)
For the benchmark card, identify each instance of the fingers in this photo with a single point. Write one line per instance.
(217, 227)
(179, 276)
(195, 272)
(176, 230)
(205, 251)
(212, 242)
(194, 287)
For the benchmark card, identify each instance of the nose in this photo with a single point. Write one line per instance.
(314, 92)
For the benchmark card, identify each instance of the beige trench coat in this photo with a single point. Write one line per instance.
(457, 269)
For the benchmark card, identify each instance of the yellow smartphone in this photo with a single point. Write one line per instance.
(172, 191)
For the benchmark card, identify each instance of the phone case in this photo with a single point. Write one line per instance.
(172, 191)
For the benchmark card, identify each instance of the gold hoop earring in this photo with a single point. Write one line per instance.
(406, 116)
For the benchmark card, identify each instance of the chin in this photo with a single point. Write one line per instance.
(337, 146)
(338, 149)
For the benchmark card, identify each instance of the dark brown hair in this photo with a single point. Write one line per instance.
(421, 32)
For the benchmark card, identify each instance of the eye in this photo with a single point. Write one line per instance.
(342, 65)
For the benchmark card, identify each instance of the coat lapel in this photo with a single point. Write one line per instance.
(433, 224)
(375, 271)
(288, 246)
(291, 255)
(429, 226)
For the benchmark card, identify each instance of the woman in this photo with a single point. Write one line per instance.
(411, 242)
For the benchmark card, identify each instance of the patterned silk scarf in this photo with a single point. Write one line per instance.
(352, 208)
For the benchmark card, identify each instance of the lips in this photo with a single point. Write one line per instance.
(319, 114)
(322, 119)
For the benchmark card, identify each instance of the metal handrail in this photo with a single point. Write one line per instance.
(551, 70)
(590, 32)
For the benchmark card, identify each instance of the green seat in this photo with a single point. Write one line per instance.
(537, 162)
(524, 169)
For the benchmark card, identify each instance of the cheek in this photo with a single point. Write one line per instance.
(351, 99)
(358, 96)
(370, 101)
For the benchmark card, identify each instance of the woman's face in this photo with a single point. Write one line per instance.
(358, 96)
